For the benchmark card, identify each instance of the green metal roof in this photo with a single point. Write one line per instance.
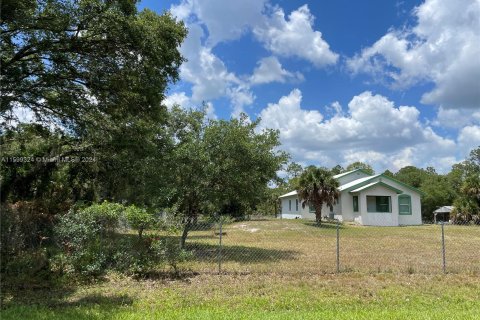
(374, 184)
(349, 172)
(364, 181)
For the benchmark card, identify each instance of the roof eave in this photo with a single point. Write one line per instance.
(398, 191)
(363, 183)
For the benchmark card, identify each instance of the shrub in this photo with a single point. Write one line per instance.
(476, 219)
(139, 219)
(171, 252)
(28, 266)
(86, 237)
(24, 228)
(106, 215)
(91, 246)
(465, 209)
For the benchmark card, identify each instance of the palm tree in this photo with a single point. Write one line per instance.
(316, 187)
(471, 186)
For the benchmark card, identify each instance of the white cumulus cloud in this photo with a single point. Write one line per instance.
(469, 138)
(225, 20)
(456, 118)
(295, 37)
(373, 130)
(442, 48)
(211, 22)
(270, 70)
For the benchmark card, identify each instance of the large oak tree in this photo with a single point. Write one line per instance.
(93, 74)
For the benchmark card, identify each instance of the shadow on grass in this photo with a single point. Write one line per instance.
(201, 236)
(47, 306)
(98, 299)
(242, 254)
(323, 225)
(166, 276)
(48, 295)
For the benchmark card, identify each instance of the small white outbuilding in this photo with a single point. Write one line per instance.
(442, 213)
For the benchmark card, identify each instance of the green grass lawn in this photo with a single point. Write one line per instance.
(343, 296)
(285, 270)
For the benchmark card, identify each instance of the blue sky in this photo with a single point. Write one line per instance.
(390, 83)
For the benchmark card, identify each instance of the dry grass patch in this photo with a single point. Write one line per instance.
(296, 246)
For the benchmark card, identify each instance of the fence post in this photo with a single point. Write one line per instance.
(338, 246)
(443, 248)
(220, 246)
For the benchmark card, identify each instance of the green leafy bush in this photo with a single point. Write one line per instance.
(23, 233)
(139, 219)
(171, 252)
(92, 243)
(106, 215)
(465, 210)
(28, 266)
(87, 237)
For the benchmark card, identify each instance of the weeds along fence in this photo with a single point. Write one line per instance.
(269, 245)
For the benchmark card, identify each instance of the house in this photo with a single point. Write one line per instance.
(374, 200)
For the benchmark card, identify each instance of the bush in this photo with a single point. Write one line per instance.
(465, 210)
(139, 219)
(476, 219)
(28, 266)
(91, 245)
(88, 242)
(172, 252)
(106, 215)
(24, 229)
(86, 237)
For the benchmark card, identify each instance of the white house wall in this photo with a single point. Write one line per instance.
(379, 218)
(416, 217)
(293, 213)
(347, 206)
(304, 213)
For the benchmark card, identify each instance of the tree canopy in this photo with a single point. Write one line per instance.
(94, 74)
(360, 165)
(220, 166)
(88, 63)
(467, 204)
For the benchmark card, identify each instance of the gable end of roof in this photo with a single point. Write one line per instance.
(364, 182)
(377, 183)
(350, 172)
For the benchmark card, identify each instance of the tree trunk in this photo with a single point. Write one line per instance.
(186, 228)
(318, 213)
(140, 233)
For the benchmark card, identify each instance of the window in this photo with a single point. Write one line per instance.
(378, 204)
(289, 205)
(383, 204)
(355, 203)
(296, 204)
(404, 204)
(311, 208)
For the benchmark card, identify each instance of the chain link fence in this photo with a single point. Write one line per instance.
(270, 245)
